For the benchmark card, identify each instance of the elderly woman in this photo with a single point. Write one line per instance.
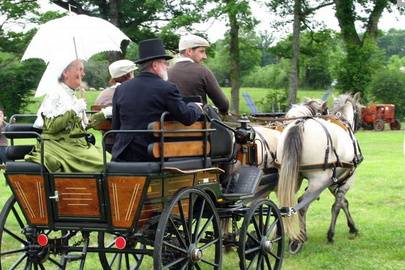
(63, 121)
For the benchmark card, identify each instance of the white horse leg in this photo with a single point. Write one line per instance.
(317, 182)
(341, 203)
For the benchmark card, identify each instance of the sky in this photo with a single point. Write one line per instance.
(216, 29)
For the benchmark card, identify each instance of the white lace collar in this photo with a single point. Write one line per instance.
(57, 103)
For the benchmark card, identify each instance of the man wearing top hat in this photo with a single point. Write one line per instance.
(192, 77)
(143, 99)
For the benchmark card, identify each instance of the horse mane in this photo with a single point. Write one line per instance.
(341, 100)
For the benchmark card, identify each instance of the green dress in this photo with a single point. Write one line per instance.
(66, 149)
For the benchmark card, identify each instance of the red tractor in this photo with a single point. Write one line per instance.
(375, 116)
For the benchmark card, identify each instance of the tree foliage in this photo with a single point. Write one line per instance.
(388, 86)
(359, 64)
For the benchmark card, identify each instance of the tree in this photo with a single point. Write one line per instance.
(302, 11)
(362, 52)
(393, 42)
(250, 56)
(16, 11)
(388, 86)
(238, 16)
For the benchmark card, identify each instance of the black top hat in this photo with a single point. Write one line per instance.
(151, 49)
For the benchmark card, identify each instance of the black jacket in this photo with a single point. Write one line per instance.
(140, 101)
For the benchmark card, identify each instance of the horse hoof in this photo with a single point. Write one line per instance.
(353, 235)
(330, 237)
(295, 246)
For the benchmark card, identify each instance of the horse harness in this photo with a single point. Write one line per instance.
(358, 156)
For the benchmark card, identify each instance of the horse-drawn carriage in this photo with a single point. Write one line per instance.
(173, 209)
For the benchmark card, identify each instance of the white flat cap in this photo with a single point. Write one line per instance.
(121, 67)
(192, 41)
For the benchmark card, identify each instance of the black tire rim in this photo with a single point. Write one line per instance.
(188, 235)
(18, 247)
(261, 244)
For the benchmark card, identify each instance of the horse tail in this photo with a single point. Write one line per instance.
(288, 177)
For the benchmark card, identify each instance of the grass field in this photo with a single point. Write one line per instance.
(377, 203)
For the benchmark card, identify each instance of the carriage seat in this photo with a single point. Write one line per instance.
(17, 152)
(184, 148)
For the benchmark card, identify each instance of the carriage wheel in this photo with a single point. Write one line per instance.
(119, 260)
(396, 125)
(261, 241)
(18, 246)
(188, 235)
(379, 125)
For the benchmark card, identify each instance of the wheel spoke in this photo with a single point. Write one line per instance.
(197, 225)
(207, 245)
(258, 233)
(174, 247)
(15, 236)
(259, 261)
(127, 261)
(113, 259)
(272, 227)
(17, 263)
(261, 219)
(252, 250)
(253, 238)
(268, 263)
(210, 263)
(184, 222)
(28, 265)
(197, 266)
(184, 265)
(55, 262)
(8, 252)
(176, 231)
(267, 219)
(190, 217)
(251, 262)
(17, 217)
(174, 263)
(119, 261)
(274, 255)
(204, 228)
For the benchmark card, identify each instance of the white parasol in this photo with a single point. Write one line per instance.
(60, 41)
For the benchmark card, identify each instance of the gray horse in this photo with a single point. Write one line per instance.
(325, 153)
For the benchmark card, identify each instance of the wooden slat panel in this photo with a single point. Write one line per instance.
(30, 193)
(173, 184)
(78, 197)
(181, 149)
(174, 125)
(125, 195)
(149, 211)
(154, 189)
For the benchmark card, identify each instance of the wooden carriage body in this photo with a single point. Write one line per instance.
(126, 195)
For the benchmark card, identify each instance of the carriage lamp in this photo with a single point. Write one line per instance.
(42, 240)
(120, 242)
(244, 133)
